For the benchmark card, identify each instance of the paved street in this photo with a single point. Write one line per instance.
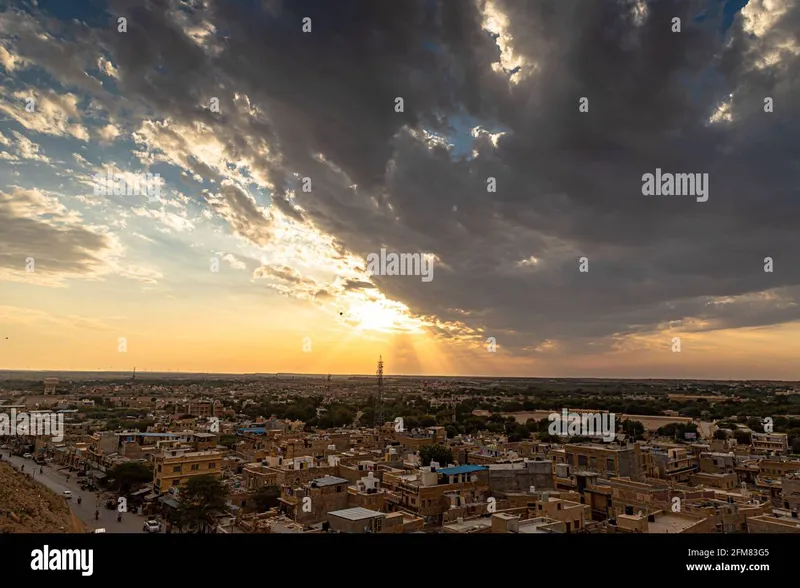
(57, 481)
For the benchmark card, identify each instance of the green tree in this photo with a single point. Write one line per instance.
(228, 441)
(126, 475)
(438, 453)
(176, 519)
(200, 498)
(546, 437)
(633, 429)
(428, 420)
(266, 497)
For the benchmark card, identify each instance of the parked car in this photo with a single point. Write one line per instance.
(99, 531)
(67, 494)
(152, 526)
(27, 455)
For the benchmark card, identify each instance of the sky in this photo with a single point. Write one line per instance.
(514, 162)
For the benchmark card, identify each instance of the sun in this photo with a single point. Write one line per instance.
(384, 316)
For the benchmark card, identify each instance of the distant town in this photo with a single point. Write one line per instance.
(290, 453)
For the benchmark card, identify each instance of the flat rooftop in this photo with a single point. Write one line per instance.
(540, 525)
(462, 469)
(470, 526)
(669, 523)
(329, 481)
(356, 514)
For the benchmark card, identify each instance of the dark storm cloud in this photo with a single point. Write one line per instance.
(568, 183)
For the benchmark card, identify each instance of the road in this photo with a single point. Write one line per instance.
(707, 428)
(57, 482)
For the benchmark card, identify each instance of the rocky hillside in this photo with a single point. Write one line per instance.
(29, 507)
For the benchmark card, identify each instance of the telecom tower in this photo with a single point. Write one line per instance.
(379, 395)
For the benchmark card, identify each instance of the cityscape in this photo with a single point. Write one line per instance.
(285, 453)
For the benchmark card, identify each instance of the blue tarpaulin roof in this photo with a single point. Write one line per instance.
(462, 469)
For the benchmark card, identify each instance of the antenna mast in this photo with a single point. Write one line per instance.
(379, 395)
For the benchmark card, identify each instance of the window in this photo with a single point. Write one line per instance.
(195, 467)
(582, 461)
(610, 465)
(176, 482)
(212, 466)
(176, 469)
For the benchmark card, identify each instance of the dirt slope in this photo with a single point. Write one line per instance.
(29, 507)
